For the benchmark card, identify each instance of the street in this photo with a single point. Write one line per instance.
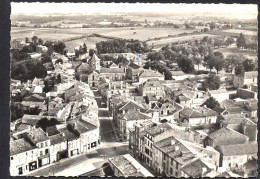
(84, 163)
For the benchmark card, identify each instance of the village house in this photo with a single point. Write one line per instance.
(127, 121)
(225, 136)
(240, 124)
(220, 94)
(246, 78)
(152, 86)
(58, 145)
(133, 71)
(40, 139)
(235, 155)
(246, 94)
(127, 166)
(198, 116)
(113, 74)
(23, 157)
(93, 79)
(150, 74)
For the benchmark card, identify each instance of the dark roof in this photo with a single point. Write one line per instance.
(198, 112)
(238, 149)
(226, 136)
(58, 138)
(52, 130)
(38, 135)
(112, 70)
(69, 134)
(133, 66)
(19, 146)
(195, 168)
(129, 105)
(81, 126)
(135, 115)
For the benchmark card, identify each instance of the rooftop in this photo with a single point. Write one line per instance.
(133, 114)
(195, 168)
(198, 112)
(150, 73)
(38, 135)
(128, 166)
(239, 149)
(19, 146)
(112, 70)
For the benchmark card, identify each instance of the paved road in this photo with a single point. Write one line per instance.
(85, 163)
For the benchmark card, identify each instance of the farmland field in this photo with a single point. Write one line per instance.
(238, 31)
(90, 42)
(234, 50)
(123, 32)
(169, 40)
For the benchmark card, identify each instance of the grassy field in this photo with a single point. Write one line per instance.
(123, 32)
(234, 50)
(90, 42)
(169, 40)
(238, 31)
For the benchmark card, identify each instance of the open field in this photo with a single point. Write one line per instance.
(238, 31)
(123, 32)
(169, 40)
(234, 50)
(90, 42)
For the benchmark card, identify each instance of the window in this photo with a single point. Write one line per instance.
(176, 174)
(41, 153)
(41, 145)
(163, 165)
(12, 158)
(46, 143)
(171, 170)
(46, 151)
(171, 161)
(177, 165)
(164, 157)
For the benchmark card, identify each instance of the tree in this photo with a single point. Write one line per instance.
(44, 123)
(230, 41)
(154, 65)
(219, 61)
(232, 60)
(211, 103)
(248, 65)
(40, 42)
(59, 47)
(27, 40)
(85, 49)
(239, 69)
(59, 61)
(212, 82)
(91, 52)
(121, 60)
(155, 56)
(209, 61)
(186, 65)
(46, 58)
(241, 41)
(34, 39)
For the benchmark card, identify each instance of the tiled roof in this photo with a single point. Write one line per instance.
(38, 135)
(112, 70)
(52, 130)
(129, 105)
(177, 73)
(236, 120)
(21, 127)
(81, 126)
(150, 73)
(156, 130)
(238, 149)
(70, 135)
(195, 168)
(198, 112)
(113, 65)
(135, 115)
(133, 66)
(151, 97)
(31, 119)
(83, 66)
(58, 138)
(152, 83)
(94, 58)
(218, 91)
(183, 98)
(128, 166)
(226, 136)
(19, 146)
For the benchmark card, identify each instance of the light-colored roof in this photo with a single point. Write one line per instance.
(150, 73)
(112, 70)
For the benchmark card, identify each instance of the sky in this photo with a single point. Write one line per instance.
(245, 10)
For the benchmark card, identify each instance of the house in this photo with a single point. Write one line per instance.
(89, 134)
(198, 116)
(246, 94)
(127, 166)
(247, 78)
(40, 139)
(240, 124)
(150, 74)
(220, 94)
(83, 68)
(58, 146)
(133, 71)
(127, 121)
(23, 157)
(113, 74)
(235, 155)
(113, 65)
(151, 86)
(225, 136)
